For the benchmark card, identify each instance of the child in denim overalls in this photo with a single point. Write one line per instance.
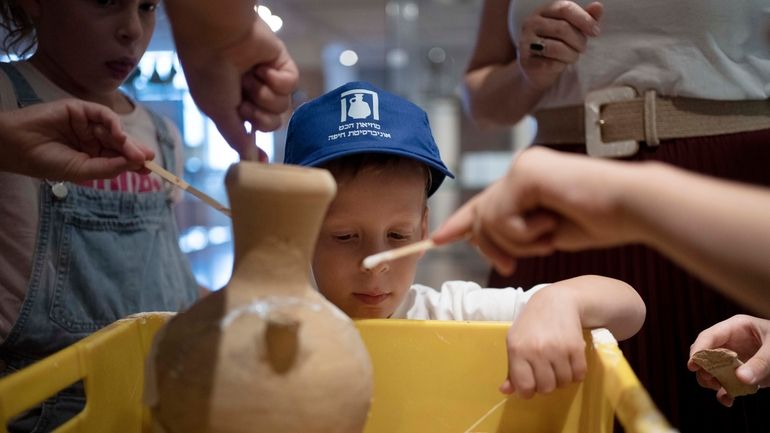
(76, 257)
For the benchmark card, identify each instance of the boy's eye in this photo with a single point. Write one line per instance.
(344, 237)
(106, 2)
(398, 236)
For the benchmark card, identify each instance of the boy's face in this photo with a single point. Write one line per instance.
(91, 46)
(375, 210)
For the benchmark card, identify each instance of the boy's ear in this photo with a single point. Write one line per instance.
(424, 229)
(424, 224)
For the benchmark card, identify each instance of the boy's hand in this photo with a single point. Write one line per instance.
(546, 349)
(749, 337)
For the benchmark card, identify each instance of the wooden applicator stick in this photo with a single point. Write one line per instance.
(178, 181)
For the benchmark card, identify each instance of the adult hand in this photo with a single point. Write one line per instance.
(547, 201)
(250, 80)
(545, 354)
(747, 336)
(553, 37)
(68, 139)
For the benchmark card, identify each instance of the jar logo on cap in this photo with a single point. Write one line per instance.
(359, 116)
(354, 105)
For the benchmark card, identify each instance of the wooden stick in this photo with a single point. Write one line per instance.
(375, 260)
(178, 181)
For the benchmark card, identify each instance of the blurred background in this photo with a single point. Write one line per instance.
(417, 49)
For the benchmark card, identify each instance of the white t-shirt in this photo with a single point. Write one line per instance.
(709, 49)
(463, 300)
(19, 194)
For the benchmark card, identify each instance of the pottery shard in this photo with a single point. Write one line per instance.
(721, 363)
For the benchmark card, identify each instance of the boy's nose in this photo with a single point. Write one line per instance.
(379, 269)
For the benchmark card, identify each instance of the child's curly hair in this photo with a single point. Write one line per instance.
(19, 30)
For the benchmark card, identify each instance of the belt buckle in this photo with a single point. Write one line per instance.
(593, 123)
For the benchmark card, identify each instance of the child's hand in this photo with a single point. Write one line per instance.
(749, 337)
(546, 348)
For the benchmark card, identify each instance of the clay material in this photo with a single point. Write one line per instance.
(722, 363)
(267, 353)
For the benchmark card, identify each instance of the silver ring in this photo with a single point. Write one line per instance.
(538, 47)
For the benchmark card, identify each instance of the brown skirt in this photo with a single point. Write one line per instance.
(679, 305)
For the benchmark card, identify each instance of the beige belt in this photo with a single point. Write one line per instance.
(613, 121)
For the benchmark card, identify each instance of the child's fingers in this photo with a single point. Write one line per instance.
(507, 387)
(562, 370)
(522, 377)
(578, 361)
(545, 378)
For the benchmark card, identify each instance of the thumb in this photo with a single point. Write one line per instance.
(756, 371)
(457, 225)
(596, 10)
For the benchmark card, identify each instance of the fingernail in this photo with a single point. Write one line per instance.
(595, 30)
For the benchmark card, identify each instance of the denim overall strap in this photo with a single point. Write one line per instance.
(165, 141)
(24, 94)
(99, 256)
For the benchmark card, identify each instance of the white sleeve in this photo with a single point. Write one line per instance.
(463, 300)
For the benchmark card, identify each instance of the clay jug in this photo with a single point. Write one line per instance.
(267, 353)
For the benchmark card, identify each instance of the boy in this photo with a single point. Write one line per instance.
(380, 149)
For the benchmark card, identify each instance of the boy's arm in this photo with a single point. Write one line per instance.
(601, 302)
(546, 348)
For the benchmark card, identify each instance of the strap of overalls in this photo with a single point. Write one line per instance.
(25, 96)
(165, 142)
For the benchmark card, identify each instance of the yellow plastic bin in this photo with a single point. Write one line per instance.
(430, 377)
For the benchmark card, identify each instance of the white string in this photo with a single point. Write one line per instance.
(483, 417)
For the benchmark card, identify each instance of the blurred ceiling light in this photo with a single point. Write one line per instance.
(273, 21)
(410, 11)
(392, 8)
(397, 58)
(348, 58)
(437, 55)
(263, 11)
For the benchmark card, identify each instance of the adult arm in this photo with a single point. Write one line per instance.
(503, 83)
(237, 69)
(552, 201)
(68, 139)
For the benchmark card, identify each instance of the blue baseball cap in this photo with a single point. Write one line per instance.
(361, 118)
